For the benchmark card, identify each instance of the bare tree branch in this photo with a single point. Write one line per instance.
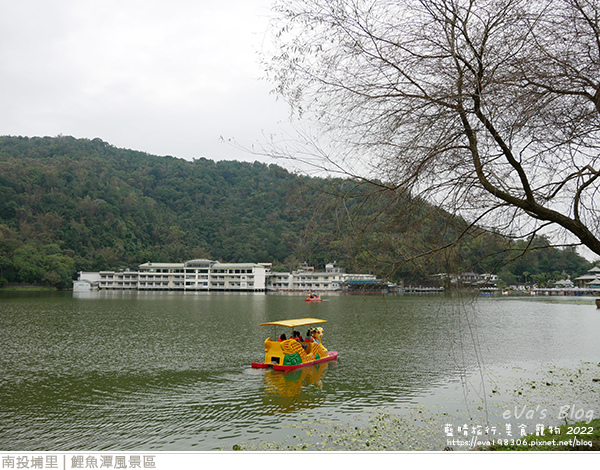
(469, 104)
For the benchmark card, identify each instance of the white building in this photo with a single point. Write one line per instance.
(238, 276)
(86, 281)
(307, 279)
(197, 274)
(122, 280)
(209, 275)
(161, 276)
(469, 279)
(193, 275)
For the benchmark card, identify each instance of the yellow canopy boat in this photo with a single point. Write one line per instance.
(295, 323)
(295, 352)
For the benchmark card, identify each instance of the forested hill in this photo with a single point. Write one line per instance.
(105, 207)
(71, 204)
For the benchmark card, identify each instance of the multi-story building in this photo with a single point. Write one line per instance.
(193, 275)
(161, 276)
(197, 274)
(238, 276)
(115, 279)
(209, 275)
(306, 278)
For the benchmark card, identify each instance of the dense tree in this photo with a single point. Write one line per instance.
(72, 204)
(489, 109)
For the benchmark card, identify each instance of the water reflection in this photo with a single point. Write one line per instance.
(289, 384)
(290, 391)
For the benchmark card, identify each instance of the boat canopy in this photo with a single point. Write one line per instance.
(295, 323)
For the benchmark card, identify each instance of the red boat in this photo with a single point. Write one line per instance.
(290, 354)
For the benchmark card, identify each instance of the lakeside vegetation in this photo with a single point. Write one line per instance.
(386, 432)
(421, 427)
(72, 205)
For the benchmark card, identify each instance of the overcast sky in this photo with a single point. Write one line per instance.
(167, 77)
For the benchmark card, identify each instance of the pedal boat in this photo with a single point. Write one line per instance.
(313, 298)
(291, 354)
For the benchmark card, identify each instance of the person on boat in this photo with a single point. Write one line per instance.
(312, 331)
(308, 338)
(296, 335)
(282, 338)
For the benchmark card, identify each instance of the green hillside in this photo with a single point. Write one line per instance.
(71, 204)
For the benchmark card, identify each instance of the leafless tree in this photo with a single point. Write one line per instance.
(487, 108)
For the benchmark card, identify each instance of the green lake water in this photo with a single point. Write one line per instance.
(171, 371)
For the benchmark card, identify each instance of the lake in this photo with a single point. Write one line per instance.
(171, 371)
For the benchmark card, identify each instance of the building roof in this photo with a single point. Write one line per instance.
(587, 277)
(162, 265)
(197, 263)
(236, 265)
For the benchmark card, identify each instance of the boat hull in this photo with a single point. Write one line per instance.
(332, 356)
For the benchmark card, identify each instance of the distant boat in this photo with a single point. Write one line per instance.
(313, 297)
